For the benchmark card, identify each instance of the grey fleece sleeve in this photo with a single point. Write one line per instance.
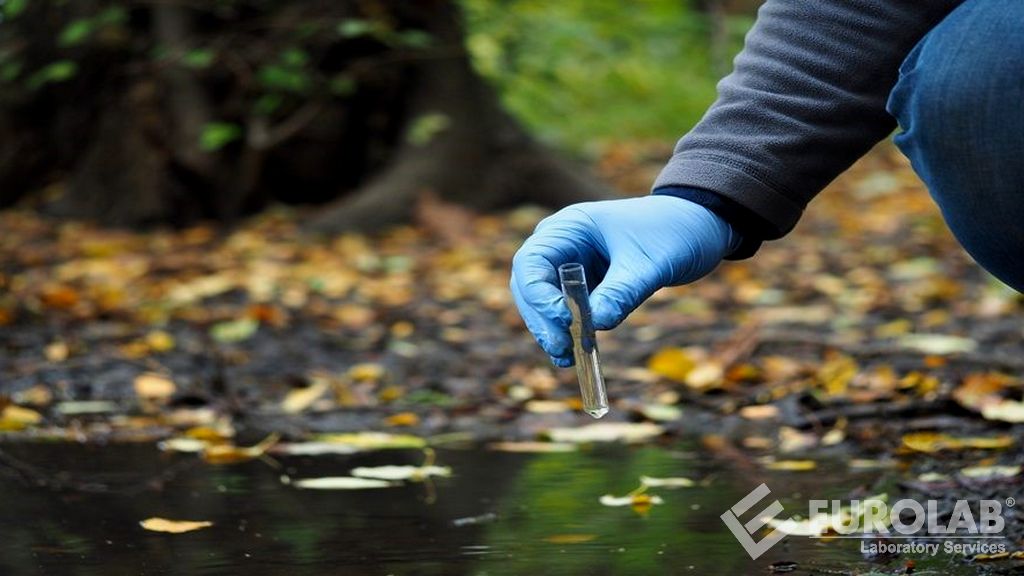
(805, 100)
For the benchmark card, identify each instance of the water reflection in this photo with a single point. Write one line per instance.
(500, 514)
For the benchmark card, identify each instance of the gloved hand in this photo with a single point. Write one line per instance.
(629, 248)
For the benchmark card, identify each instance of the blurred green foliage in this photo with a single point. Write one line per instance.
(581, 73)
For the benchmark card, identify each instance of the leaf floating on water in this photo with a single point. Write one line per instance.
(186, 445)
(374, 440)
(825, 523)
(173, 526)
(230, 454)
(637, 501)
(313, 449)
(678, 482)
(931, 442)
(338, 483)
(937, 344)
(533, 447)
(413, 473)
(607, 432)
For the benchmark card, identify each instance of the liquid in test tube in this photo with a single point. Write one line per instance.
(584, 340)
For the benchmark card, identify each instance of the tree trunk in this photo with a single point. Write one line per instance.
(417, 119)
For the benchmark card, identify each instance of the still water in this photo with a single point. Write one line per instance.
(499, 514)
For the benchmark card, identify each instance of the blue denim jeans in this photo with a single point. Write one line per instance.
(960, 104)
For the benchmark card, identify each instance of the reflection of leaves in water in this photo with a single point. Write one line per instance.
(558, 494)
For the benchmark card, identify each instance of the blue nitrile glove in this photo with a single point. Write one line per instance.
(629, 249)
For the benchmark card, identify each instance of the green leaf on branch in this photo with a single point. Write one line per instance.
(284, 78)
(426, 127)
(12, 8)
(356, 27)
(76, 32)
(198, 59)
(53, 73)
(217, 135)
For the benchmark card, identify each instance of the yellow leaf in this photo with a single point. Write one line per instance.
(56, 351)
(300, 399)
(792, 465)
(931, 442)
(671, 363)
(402, 419)
(366, 372)
(173, 526)
(159, 341)
(631, 500)
(230, 454)
(14, 418)
(152, 386)
(836, 373)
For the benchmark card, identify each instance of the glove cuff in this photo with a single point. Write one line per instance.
(749, 229)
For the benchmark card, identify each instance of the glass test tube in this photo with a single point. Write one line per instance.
(584, 340)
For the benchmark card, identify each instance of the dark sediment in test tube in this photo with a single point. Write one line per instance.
(584, 340)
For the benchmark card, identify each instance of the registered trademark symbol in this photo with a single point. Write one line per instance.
(1010, 502)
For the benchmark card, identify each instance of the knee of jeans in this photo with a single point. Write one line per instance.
(961, 75)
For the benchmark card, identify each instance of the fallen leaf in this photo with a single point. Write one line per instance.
(313, 449)
(338, 483)
(1004, 411)
(607, 432)
(234, 331)
(230, 454)
(931, 442)
(937, 344)
(154, 387)
(791, 465)
(990, 472)
(678, 482)
(186, 445)
(705, 376)
(173, 526)
(546, 406)
(414, 473)
(672, 363)
(14, 418)
(403, 419)
(760, 412)
(641, 500)
(299, 399)
(78, 408)
(661, 412)
(374, 440)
